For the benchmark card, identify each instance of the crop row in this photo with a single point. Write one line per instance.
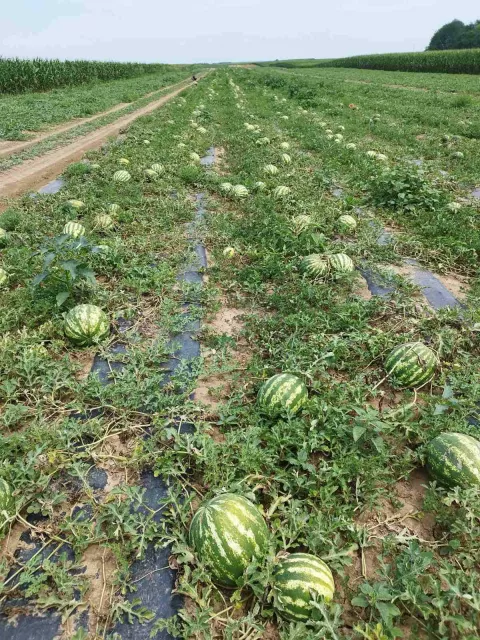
(461, 61)
(19, 76)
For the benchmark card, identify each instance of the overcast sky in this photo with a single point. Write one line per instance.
(221, 30)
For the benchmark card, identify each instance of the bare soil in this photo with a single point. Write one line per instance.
(9, 147)
(36, 172)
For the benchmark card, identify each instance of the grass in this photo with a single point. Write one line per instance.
(334, 479)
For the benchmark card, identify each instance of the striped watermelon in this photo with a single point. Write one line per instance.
(113, 209)
(270, 169)
(411, 365)
(124, 161)
(158, 168)
(3, 237)
(301, 223)
(226, 187)
(121, 176)
(104, 222)
(74, 229)
(316, 265)
(86, 324)
(76, 204)
(283, 392)
(202, 130)
(150, 174)
(3, 277)
(281, 192)
(284, 145)
(454, 460)
(7, 503)
(228, 532)
(341, 263)
(239, 191)
(347, 223)
(195, 157)
(263, 141)
(296, 581)
(260, 186)
(286, 159)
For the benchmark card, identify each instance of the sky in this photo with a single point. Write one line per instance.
(221, 30)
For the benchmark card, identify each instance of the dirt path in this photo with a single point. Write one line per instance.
(9, 147)
(36, 172)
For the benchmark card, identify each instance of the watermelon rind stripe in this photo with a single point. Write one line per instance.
(411, 365)
(453, 459)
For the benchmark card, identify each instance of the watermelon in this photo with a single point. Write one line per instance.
(95, 166)
(347, 223)
(7, 503)
(124, 161)
(239, 191)
(260, 186)
(263, 141)
(297, 580)
(228, 532)
(226, 187)
(3, 237)
(315, 265)
(113, 209)
(270, 169)
(147, 142)
(74, 229)
(158, 168)
(3, 277)
(181, 145)
(411, 364)
(195, 157)
(301, 223)
(76, 204)
(228, 252)
(104, 222)
(282, 392)
(281, 192)
(86, 324)
(202, 130)
(284, 145)
(121, 176)
(341, 263)
(150, 174)
(286, 159)
(454, 460)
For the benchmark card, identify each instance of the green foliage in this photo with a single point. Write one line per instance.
(456, 35)
(403, 188)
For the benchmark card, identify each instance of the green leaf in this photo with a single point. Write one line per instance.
(358, 432)
(39, 278)
(61, 297)
(359, 601)
(71, 267)
(48, 259)
(87, 273)
(387, 610)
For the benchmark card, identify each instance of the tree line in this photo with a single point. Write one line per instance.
(456, 35)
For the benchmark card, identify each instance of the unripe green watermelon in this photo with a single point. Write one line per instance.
(228, 533)
(453, 459)
(282, 392)
(411, 365)
(297, 580)
(86, 324)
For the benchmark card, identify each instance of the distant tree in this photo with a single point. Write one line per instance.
(448, 37)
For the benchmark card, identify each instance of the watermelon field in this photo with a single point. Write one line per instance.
(240, 369)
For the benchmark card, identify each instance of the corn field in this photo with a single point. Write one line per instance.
(453, 61)
(19, 76)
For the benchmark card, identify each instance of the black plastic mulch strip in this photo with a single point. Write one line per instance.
(152, 576)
